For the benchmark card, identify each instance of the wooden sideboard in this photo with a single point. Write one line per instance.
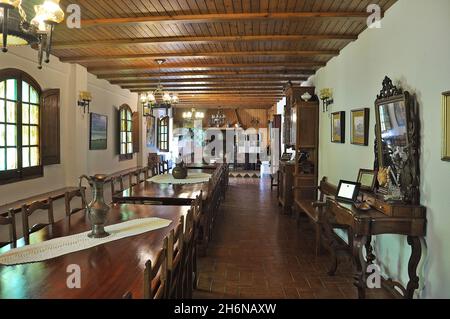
(285, 185)
(383, 218)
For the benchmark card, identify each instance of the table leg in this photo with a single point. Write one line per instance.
(359, 243)
(369, 251)
(416, 254)
(330, 243)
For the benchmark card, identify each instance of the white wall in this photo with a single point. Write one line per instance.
(413, 49)
(76, 159)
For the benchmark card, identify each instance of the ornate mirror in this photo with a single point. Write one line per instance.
(397, 141)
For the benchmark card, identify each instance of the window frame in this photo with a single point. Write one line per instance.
(21, 173)
(161, 124)
(125, 156)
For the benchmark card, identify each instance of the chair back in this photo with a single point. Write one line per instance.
(116, 185)
(69, 196)
(28, 210)
(175, 251)
(9, 221)
(155, 275)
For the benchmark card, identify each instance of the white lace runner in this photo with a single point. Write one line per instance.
(192, 178)
(65, 245)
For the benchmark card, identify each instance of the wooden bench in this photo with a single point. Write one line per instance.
(313, 208)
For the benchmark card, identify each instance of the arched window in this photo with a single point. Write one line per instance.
(163, 134)
(126, 132)
(20, 136)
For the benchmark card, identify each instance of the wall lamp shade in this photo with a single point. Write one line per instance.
(326, 95)
(84, 100)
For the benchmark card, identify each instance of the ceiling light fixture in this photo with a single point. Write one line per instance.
(149, 100)
(15, 30)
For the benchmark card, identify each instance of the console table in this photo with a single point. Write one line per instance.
(383, 218)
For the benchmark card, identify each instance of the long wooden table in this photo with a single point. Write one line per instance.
(166, 194)
(107, 271)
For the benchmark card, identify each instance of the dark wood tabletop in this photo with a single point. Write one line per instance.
(107, 271)
(167, 194)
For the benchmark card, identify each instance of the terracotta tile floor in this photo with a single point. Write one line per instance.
(257, 253)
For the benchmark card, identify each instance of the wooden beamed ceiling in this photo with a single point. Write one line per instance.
(236, 53)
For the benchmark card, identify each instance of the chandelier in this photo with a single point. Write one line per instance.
(193, 114)
(149, 100)
(15, 30)
(218, 119)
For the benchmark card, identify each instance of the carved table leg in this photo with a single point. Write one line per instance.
(369, 251)
(329, 241)
(416, 254)
(359, 243)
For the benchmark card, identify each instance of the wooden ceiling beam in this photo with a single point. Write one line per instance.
(199, 39)
(207, 86)
(178, 55)
(224, 106)
(207, 81)
(221, 17)
(110, 68)
(288, 74)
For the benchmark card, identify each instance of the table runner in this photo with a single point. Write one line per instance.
(65, 245)
(192, 178)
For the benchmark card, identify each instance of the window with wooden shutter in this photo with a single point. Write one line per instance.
(51, 149)
(126, 133)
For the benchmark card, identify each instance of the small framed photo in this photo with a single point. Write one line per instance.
(360, 127)
(367, 178)
(338, 127)
(446, 126)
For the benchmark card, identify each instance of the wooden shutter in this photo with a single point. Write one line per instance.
(50, 127)
(117, 121)
(136, 133)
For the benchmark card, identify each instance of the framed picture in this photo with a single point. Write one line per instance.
(98, 132)
(338, 127)
(151, 132)
(367, 178)
(446, 126)
(360, 127)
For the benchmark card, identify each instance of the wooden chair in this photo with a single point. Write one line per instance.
(155, 275)
(154, 169)
(161, 168)
(28, 210)
(69, 196)
(175, 252)
(116, 180)
(9, 221)
(190, 275)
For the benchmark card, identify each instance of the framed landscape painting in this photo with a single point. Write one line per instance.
(360, 127)
(338, 127)
(98, 132)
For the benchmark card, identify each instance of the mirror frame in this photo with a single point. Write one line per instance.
(391, 94)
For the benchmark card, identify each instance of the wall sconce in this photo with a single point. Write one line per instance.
(84, 100)
(326, 95)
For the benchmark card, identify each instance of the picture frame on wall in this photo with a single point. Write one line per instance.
(360, 126)
(367, 178)
(446, 126)
(151, 131)
(338, 127)
(98, 132)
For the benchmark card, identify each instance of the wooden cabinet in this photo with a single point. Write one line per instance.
(307, 147)
(285, 185)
